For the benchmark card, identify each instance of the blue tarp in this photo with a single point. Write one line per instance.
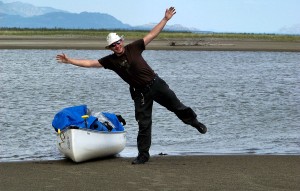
(72, 117)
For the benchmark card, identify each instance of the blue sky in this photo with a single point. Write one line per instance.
(250, 16)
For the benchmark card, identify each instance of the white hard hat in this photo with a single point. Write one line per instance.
(111, 38)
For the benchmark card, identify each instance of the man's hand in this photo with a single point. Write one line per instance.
(62, 58)
(169, 13)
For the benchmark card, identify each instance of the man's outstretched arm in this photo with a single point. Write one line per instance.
(78, 62)
(159, 27)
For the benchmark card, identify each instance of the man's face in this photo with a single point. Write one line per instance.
(117, 47)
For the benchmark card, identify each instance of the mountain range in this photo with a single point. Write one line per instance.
(24, 15)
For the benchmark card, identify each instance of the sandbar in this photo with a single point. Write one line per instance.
(42, 42)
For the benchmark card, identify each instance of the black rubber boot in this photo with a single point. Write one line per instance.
(140, 159)
(201, 128)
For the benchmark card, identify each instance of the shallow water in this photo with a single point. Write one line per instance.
(248, 100)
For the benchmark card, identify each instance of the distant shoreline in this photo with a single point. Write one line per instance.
(203, 44)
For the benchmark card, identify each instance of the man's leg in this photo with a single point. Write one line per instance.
(163, 95)
(143, 114)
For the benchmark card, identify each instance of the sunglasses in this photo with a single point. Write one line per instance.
(115, 44)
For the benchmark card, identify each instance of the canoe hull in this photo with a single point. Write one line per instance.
(82, 145)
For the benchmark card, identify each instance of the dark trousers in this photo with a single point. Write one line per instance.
(159, 92)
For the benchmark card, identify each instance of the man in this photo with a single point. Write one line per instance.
(145, 85)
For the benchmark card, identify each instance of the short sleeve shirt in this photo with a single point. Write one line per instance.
(130, 66)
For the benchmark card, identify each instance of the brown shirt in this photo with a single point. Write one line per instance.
(130, 66)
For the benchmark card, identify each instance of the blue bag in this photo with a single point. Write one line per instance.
(72, 117)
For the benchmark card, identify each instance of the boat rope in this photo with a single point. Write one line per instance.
(62, 137)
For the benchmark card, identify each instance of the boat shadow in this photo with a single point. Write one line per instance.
(68, 161)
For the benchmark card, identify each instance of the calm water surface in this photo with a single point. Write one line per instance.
(248, 100)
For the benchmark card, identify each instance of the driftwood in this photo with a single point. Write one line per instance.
(188, 43)
(197, 43)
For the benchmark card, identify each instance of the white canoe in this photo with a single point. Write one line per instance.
(84, 144)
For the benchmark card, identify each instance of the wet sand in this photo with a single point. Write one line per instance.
(19, 42)
(249, 172)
